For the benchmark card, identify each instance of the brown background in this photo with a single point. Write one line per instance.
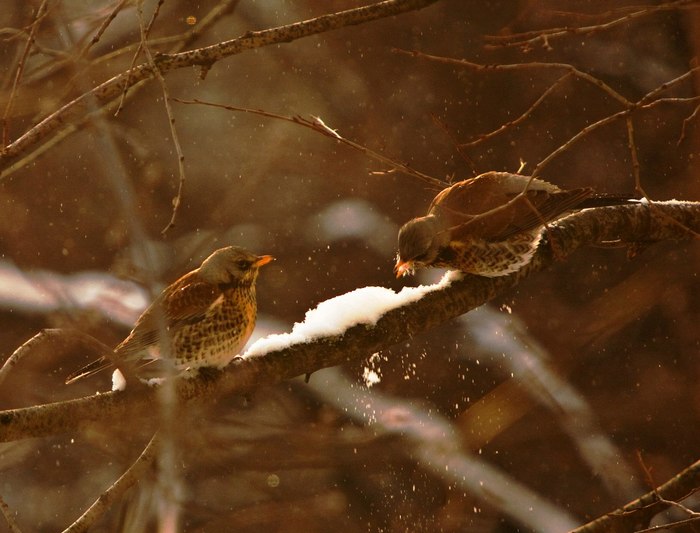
(632, 325)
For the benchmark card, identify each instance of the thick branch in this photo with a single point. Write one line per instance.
(633, 223)
(102, 94)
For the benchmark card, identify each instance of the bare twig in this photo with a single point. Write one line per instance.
(635, 514)
(40, 14)
(54, 335)
(104, 93)
(520, 66)
(144, 35)
(316, 124)
(181, 41)
(103, 27)
(458, 146)
(7, 515)
(635, 171)
(512, 123)
(168, 109)
(686, 121)
(649, 100)
(129, 478)
(527, 40)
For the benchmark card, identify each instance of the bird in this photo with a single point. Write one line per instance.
(481, 226)
(207, 316)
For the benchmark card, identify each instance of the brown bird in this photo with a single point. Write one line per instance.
(480, 227)
(208, 315)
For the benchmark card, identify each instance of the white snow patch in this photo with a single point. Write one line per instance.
(372, 373)
(666, 202)
(370, 377)
(337, 315)
(118, 381)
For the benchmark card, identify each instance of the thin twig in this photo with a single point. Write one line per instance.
(637, 178)
(686, 122)
(181, 41)
(526, 40)
(104, 93)
(103, 27)
(144, 35)
(485, 136)
(597, 82)
(169, 111)
(316, 124)
(52, 335)
(458, 146)
(7, 514)
(648, 505)
(40, 14)
(129, 478)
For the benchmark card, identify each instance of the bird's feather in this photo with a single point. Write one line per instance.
(185, 302)
(474, 208)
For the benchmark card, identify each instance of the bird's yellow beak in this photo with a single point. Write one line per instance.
(263, 260)
(403, 267)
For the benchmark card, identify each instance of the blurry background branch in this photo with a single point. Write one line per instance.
(628, 224)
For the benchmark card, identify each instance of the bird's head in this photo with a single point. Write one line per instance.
(420, 241)
(232, 266)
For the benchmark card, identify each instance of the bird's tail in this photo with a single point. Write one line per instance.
(88, 370)
(606, 200)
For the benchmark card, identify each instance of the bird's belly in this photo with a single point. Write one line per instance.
(493, 259)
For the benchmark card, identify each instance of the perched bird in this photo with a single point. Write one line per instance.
(207, 315)
(480, 227)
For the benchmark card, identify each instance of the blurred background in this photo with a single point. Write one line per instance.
(603, 347)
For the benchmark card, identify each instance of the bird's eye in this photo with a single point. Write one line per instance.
(242, 264)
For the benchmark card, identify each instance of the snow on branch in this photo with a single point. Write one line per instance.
(355, 325)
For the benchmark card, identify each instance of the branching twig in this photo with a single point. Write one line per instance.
(526, 40)
(142, 43)
(103, 27)
(168, 109)
(181, 41)
(636, 515)
(104, 93)
(316, 124)
(40, 14)
(648, 101)
(512, 123)
(63, 335)
(129, 478)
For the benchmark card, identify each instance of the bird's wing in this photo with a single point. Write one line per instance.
(464, 207)
(542, 208)
(184, 302)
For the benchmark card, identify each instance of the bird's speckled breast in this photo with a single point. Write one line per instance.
(490, 259)
(221, 335)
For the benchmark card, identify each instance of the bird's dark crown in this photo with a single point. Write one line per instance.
(232, 265)
(420, 240)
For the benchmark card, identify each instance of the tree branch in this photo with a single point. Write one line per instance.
(205, 57)
(630, 223)
(638, 513)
